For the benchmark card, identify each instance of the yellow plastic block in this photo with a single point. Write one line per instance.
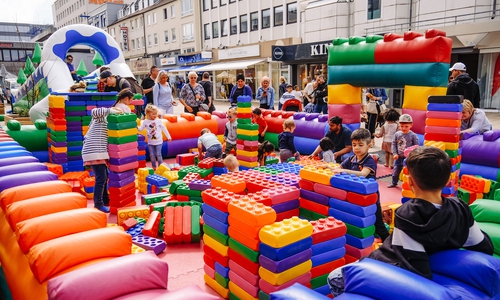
(162, 169)
(248, 164)
(218, 247)
(252, 212)
(407, 194)
(141, 211)
(122, 133)
(216, 286)
(143, 172)
(316, 174)
(344, 94)
(111, 225)
(239, 292)
(244, 110)
(285, 276)
(436, 144)
(143, 187)
(57, 101)
(136, 249)
(416, 96)
(285, 232)
(171, 175)
(59, 149)
(487, 186)
(452, 146)
(220, 137)
(247, 132)
(248, 153)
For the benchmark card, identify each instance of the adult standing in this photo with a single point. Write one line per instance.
(374, 97)
(282, 86)
(192, 94)
(101, 85)
(463, 85)
(163, 94)
(69, 63)
(265, 93)
(240, 89)
(320, 94)
(474, 120)
(308, 91)
(148, 84)
(114, 83)
(341, 138)
(207, 87)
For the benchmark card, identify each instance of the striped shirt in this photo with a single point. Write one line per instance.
(95, 146)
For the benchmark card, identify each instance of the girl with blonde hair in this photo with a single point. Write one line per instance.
(474, 120)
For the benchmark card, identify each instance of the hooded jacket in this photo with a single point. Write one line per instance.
(465, 86)
(421, 229)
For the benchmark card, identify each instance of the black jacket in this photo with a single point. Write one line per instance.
(421, 229)
(465, 86)
(320, 92)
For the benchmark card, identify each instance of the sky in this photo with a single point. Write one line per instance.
(27, 11)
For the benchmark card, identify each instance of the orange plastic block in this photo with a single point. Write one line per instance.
(246, 240)
(314, 207)
(472, 183)
(168, 230)
(177, 236)
(254, 213)
(186, 224)
(128, 223)
(285, 232)
(55, 168)
(243, 227)
(327, 229)
(141, 211)
(361, 200)
(316, 174)
(89, 182)
(229, 183)
(152, 224)
(443, 122)
(218, 198)
(407, 194)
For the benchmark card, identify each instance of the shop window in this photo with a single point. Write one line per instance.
(266, 18)
(291, 16)
(243, 23)
(373, 9)
(278, 15)
(254, 20)
(233, 22)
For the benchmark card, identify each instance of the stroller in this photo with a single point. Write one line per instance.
(292, 105)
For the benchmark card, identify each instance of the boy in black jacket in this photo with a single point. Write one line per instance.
(428, 223)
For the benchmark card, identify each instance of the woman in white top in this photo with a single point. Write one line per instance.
(474, 120)
(123, 100)
(163, 94)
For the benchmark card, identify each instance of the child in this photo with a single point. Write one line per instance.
(327, 147)
(258, 119)
(403, 139)
(95, 154)
(230, 131)
(78, 88)
(154, 128)
(285, 142)
(265, 149)
(388, 131)
(286, 96)
(124, 99)
(363, 164)
(209, 140)
(428, 223)
(231, 163)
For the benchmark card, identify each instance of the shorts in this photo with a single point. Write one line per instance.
(387, 147)
(229, 147)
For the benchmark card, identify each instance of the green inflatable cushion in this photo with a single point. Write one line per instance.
(485, 210)
(493, 230)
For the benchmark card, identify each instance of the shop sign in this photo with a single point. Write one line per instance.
(100, 2)
(301, 52)
(187, 59)
(124, 32)
(167, 61)
(240, 52)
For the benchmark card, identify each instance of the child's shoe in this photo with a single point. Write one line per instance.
(104, 209)
(392, 185)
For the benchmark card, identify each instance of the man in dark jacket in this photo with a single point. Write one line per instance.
(463, 85)
(320, 96)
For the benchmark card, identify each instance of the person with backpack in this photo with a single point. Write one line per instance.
(163, 94)
(114, 83)
(207, 86)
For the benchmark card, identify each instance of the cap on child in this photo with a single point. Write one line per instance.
(405, 118)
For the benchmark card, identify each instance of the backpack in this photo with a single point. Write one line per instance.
(135, 87)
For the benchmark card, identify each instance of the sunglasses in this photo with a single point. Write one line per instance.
(230, 117)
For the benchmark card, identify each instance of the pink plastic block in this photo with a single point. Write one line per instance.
(358, 253)
(330, 191)
(410, 149)
(442, 130)
(444, 115)
(209, 271)
(252, 290)
(244, 273)
(122, 147)
(125, 153)
(282, 194)
(251, 143)
(125, 167)
(268, 288)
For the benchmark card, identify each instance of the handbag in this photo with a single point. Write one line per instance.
(371, 107)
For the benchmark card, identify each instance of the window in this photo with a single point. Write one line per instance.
(206, 5)
(188, 32)
(155, 35)
(138, 44)
(291, 16)
(207, 31)
(215, 29)
(143, 42)
(223, 2)
(165, 14)
(373, 9)
(132, 24)
(149, 20)
(278, 15)
(174, 37)
(254, 20)
(266, 18)
(186, 7)
(137, 21)
(166, 36)
(172, 11)
(243, 23)
(154, 18)
(232, 1)
(6, 55)
(223, 28)
(133, 44)
(150, 40)
(214, 3)
(233, 22)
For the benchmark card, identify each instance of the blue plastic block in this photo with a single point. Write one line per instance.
(215, 213)
(352, 219)
(354, 183)
(216, 224)
(314, 197)
(286, 206)
(136, 230)
(244, 99)
(223, 271)
(285, 264)
(444, 107)
(359, 243)
(449, 190)
(219, 170)
(157, 180)
(296, 292)
(327, 257)
(328, 245)
(360, 211)
(284, 252)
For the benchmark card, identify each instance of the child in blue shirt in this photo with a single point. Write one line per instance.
(285, 142)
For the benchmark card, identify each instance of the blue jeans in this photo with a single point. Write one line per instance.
(155, 155)
(214, 151)
(101, 196)
(336, 280)
(321, 107)
(398, 167)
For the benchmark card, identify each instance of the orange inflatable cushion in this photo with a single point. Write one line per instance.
(41, 229)
(51, 257)
(28, 191)
(44, 205)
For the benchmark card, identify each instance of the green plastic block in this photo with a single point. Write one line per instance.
(122, 140)
(244, 104)
(310, 215)
(95, 98)
(74, 119)
(58, 133)
(463, 195)
(76, 108)
(196, 199)
(247, 137)
(195, 223)
(360, 232)
(75, 144)
(186, 191)
(495, 185)
(244, 250)
(174, 185)
(120, 126)
(452, 153)
(161, 229)
(140, 220)
(110, 97)
(216, 235)
(268, 170)
(160, 208)
(270, 160)
(74, 153)
(122, 118)
(319, 281)
(233, 296)
(264, 296)
(56, 138)
(223, 281)
(154, 198)
(244, 121)
(248, 126)
(194, 169)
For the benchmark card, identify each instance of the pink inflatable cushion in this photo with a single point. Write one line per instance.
(113, 278)
(192, 292)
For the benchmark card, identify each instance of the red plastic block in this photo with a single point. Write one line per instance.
(350, 259)
(314, 207)
(177, 224)
(122, 201)
(206, 163)
(223, 260)
(287, 214)
(258, 184)
(219, 163)
(327, 268)
(250, 242)
(209, 261)
(128, 223)
(243, 273)
(190, 177)
(358, 253)
(129, 188)
(306, 185)
(152, 224)
(168, 231)
(327, 229)
(185, 159)
(218, 198)
(261, 197)
(362, 200)
(250, 266)
(330, 191)
(186, 224)
(472, 183)
(447, 138)
(182, 198)
(282, 194)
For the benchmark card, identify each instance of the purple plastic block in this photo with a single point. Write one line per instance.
(59, 155)
(149, 243)
(286, 206)
(141, 138)
(121, 176)
(123, 161)
(200, 185)
(120, 183)
(60, 161)
(75, 158)
(74, 123)
(77, 128)
(285, 264)
(314, 197)
(75, 113)
(59, 144)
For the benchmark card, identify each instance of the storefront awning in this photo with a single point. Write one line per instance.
(232, 65)
(187, 68)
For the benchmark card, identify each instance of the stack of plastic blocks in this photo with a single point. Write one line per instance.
(358, 212)
(182, 222)
(247, 134)
(286, 167)
(285, 201)
(57, 131)
(156, 183)
(219, 168)
(141, 150)
(443, 121)
(88, 187)
(328, 241)
(216, 239)
(122, 145)
(473, 188)
(142, 184)
(285, 255)
(185, 159)
(246, 219)
(204, 173)
(75, 180)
